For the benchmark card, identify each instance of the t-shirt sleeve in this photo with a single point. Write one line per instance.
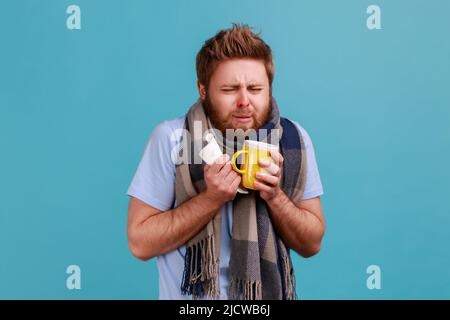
(313, 186)
(154, 180)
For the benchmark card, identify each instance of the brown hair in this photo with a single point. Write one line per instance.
(239, 41)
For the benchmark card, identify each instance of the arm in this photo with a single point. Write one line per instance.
(300, 225)
(152, 232)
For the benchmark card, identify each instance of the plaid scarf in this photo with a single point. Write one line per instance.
(260, 265)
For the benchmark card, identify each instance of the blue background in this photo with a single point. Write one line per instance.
(77, 106)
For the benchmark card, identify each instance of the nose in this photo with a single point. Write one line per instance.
(243, 100)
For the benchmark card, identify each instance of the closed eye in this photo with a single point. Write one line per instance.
(252, 89)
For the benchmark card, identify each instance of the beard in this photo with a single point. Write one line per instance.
(222, 122)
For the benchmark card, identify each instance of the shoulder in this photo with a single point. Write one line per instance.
(165, 136)
(167, 132)
(169, 126)
(304, 133)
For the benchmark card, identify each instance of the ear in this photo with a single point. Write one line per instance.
(201, 90)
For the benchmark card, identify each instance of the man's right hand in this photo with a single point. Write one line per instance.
(221, 180)
(152, 233)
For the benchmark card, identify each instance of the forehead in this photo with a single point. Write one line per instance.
(240, 71)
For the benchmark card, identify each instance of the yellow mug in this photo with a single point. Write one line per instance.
(252, 152)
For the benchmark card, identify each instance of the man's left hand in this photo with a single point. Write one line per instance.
(268, 183)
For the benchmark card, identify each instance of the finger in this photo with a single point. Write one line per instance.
(226, 169)
(276, 156)
(267, 179)
(229, 178)
(219, 163)
(236, 182)
(262, 187)
(271, 167)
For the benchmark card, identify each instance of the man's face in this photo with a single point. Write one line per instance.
(238, 96)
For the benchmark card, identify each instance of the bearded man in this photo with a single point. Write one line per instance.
(211, 241)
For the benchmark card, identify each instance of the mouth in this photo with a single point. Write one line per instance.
(243, 119)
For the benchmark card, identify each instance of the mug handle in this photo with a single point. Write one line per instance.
(233, 161)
